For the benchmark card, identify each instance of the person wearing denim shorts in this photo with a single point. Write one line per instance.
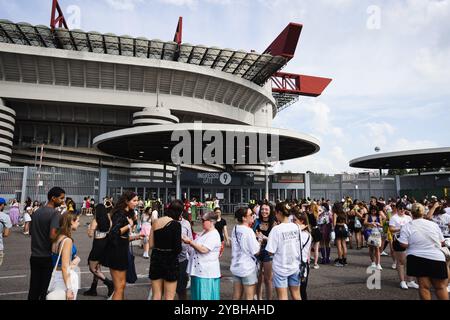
(262, 227)
(243, 260)
(284, 245)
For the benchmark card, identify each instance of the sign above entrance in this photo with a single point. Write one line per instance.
(289, 178)
(217, 179)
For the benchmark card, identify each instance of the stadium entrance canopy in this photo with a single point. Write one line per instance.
(412, 159)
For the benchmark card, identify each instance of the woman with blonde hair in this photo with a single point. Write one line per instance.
(425, 259)
(313, 217)
(65, 260)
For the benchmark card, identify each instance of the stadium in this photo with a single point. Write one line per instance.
(103, 107)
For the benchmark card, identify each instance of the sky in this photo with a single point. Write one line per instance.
(389, 61)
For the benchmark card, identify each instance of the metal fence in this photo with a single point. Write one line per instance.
(357, 186)
(23, 182)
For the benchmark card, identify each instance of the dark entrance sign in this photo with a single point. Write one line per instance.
(217, 179)
(289, 178)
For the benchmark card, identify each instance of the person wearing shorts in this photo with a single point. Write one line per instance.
(243, 261)
(284, 245)
(262, 227)
(341, 233)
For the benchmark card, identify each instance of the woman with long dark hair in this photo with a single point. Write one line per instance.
(341, 233)
(373, 223)
(165, 240)
(98, 229)
(325, 222)
(116, 253)
(262, 226)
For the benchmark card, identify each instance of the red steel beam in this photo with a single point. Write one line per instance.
(179, 33)
(57, 21)
(299, 84)
(286, 43)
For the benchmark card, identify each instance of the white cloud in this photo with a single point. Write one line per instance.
(123, 5)
(379, 133)
(403, 144)
(433, 63)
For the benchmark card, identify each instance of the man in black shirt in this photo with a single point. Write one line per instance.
(43, 230)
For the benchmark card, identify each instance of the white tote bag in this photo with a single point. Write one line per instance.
(57, 287)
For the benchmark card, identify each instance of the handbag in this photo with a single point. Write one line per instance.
(374, 239)
(303, 264)
(131, 271)
(56, 291)
(358, 224)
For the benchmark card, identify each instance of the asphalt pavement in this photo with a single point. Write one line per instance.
(328, 282)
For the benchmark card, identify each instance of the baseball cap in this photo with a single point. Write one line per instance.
(2, 201)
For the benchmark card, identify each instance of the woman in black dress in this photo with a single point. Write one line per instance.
(341, 233)
(116, 253)
(165, 240)
(313, 216)
(98, 229)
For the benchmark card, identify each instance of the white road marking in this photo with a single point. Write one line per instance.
(84, 288)
(13, 277)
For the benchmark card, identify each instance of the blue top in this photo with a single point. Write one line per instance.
(55, 256)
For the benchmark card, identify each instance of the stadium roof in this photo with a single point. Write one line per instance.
(252, 66)
(411, 159)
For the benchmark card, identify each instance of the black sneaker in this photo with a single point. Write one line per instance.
(344, 261)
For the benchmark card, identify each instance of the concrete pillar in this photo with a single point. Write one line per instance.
(178, 173)
(307, 185)
(23, 196)
(102, 184)
(7, 126)
(398, 185)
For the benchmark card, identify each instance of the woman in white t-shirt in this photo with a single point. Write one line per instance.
(396, 223)
(155, 214)
(425, 260)
(204, 266)
(243, 250)
(284, 245)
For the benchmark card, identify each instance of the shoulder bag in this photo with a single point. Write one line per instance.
(57, 288)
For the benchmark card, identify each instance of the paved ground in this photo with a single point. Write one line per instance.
(328, 282)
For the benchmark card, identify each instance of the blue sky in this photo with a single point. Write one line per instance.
(389, 60)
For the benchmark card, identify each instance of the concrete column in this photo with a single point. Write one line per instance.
(307, 185)
(178, 173)
(266, 177)
(23, 196)
(7, 126)
(102, 184)
(398, 185)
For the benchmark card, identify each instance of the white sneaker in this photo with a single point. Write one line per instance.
(373, 265)
(394, 266)
(403, 285)
(316, 266)
(379, 267)
(189, 284)
(384, 254)
(412, 284)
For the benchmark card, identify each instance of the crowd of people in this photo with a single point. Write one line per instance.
(273, 245)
